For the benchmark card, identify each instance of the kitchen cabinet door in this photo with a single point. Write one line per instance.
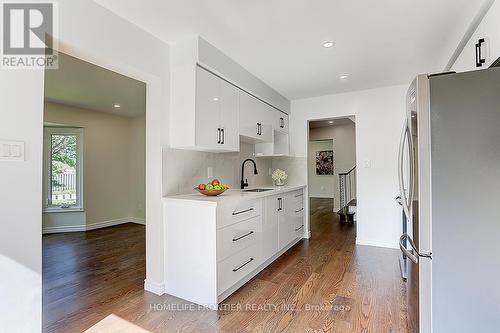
(255, 126)
(229, 114)
(286, 226)
(208, 95)
(270, 228)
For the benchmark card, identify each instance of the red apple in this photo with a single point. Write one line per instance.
(215, 182)
(201, 187)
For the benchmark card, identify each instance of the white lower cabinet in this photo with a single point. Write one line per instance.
(229, 242)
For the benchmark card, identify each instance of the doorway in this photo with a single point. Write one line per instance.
(331, 164)
(94, 188)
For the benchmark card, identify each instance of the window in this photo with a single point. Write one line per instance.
(63, 157)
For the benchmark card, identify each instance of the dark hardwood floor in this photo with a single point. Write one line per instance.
(324, 284)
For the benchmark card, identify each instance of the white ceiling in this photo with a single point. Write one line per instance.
(378, 43)
(82, 84)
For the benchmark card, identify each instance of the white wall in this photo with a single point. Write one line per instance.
(344, 156)
(94, 34)
(320, 186)
(379, 119)
(21, 103)
(137, 164)
(113, 165)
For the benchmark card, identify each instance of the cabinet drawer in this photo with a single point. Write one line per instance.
(232, 213)
(234, 238)
(236, 267)
(297, 198)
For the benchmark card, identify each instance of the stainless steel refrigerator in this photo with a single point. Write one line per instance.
(451, 196)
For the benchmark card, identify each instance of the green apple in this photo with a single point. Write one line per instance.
(217, 187)
(209, 187)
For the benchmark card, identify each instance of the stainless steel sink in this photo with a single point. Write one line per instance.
(258, 190)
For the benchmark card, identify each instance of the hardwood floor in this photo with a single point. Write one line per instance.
(324, 284)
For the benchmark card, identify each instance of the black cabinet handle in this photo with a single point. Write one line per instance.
(479, 56)
(223, 136)
(243, 236)
(280, 204)
(299, 210)
(243, 211)
(243, 265)
(259, 129)
(218, 136)
(282, 123)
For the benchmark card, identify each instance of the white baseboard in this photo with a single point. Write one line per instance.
(376, 243)
(69, 228)
(92, 226)
(154, 287)
(137, 220)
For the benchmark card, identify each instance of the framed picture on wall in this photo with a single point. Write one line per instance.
(324, 162)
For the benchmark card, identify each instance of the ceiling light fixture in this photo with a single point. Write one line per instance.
(328, 44)
(117, 106)
(344, 77)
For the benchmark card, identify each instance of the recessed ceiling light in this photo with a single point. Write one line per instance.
(117, 106)
(330, 121)
(344, 77)
(328, 44)
(215, 99)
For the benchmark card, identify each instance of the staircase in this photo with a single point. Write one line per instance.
(347, 184)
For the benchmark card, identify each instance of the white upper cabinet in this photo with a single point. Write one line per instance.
(210, 108)
(256, 120)
(483, 49)
(216, 116)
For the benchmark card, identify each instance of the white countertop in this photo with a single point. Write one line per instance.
(234, 194)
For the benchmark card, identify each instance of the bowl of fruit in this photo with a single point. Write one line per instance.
(214, 188)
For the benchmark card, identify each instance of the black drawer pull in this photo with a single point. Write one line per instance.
(243, 236)
(479, 57)
(297, 229)
(243, 211)
(299, 195)
(299, 210)
(243, 265)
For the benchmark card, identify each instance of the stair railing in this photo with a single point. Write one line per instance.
(347, 186)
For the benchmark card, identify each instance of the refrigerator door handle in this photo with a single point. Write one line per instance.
(403, 248)
(411, 155)
(404, 199)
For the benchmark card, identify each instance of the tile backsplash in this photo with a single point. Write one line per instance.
(184, 169)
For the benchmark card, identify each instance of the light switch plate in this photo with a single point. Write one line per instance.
(11, 151)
